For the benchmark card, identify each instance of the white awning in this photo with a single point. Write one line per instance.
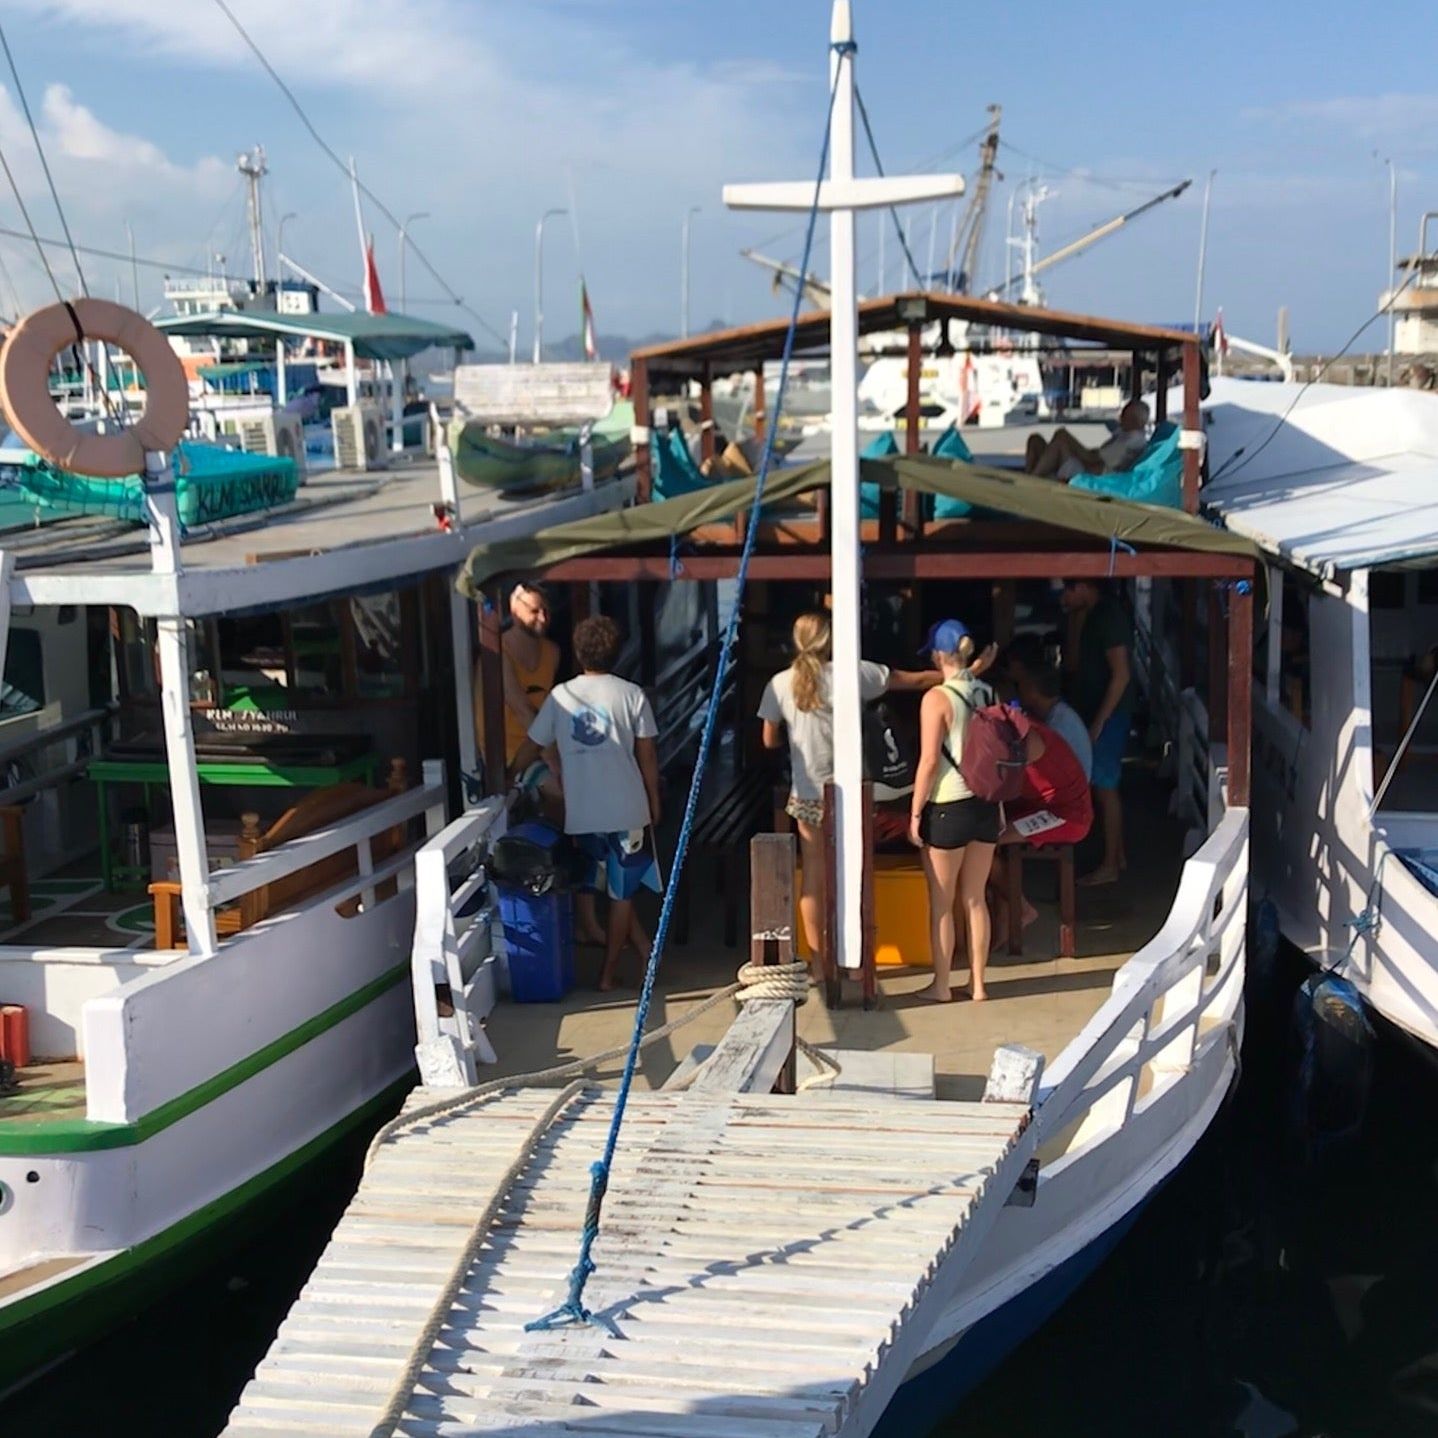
(1348, 481)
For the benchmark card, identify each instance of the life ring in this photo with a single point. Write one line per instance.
(25, 388)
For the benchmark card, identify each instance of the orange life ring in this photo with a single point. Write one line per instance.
(25, 388)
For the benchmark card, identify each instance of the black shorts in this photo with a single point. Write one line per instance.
(965, 821)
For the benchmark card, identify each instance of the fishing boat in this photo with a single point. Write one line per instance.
(1335, 484)
(224, 735)
(836, 1211)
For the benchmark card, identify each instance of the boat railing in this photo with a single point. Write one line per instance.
(1178, 996)
(358, 832)
(82, 738)
(454, 963)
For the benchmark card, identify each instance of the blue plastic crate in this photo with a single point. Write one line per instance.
(539, 934)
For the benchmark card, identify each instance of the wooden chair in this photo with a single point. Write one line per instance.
(317, 810)
(12, 862)
(1063, 855)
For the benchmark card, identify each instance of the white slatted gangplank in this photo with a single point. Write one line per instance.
(768, 1268)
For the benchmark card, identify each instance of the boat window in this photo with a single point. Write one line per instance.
(23, 690)
(1403, 657)
(1295, 662)
(1387, 589)
(1428, 586)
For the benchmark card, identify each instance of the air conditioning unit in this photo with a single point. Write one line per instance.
(359, 438)
(276, 433)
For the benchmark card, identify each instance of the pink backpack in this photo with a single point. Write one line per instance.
(993, 761)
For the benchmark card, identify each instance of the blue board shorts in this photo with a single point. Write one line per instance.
(618, 864)
(1108, 751)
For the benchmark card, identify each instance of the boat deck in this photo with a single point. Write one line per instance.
(71, 908)
(45, 1091)
(766, 1268)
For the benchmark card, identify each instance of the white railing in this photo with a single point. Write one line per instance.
(453, 950)
(1176, 997)
(357, 832)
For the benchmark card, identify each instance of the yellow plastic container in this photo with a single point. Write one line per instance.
(901, 913)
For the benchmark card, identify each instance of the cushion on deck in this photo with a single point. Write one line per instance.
(882, 446)
(1156, 478)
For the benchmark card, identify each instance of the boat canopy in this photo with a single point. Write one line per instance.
(1121, 523)
(1347, 480)
(374, 337)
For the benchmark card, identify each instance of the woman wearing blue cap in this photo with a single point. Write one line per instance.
(955, 830)
(798, 699)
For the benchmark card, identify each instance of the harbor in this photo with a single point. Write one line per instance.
(804, 877)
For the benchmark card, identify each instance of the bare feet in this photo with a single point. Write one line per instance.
(1029, 916)
(934, 992)
(978, 995)
(1097, 877)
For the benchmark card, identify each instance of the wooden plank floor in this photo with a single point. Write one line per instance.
(759, 1259)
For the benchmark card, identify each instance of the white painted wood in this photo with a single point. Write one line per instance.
(1014, 1075)
(752, 1053)
(534, 394)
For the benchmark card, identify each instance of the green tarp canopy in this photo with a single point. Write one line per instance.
(375, 337)
(1020, 496)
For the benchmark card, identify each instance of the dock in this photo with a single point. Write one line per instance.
(769, 1266)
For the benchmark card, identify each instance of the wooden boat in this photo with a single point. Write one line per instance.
(531, 467)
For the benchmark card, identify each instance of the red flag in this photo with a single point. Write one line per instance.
(373, 295)
(1219, 336)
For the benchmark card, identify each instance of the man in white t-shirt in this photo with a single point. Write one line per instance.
(1063, 456)
(599, 733)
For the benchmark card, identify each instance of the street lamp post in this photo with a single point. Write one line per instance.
(403, 232)
(684, 273)
(539, 282)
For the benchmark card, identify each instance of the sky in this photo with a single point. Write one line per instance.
(485, 113)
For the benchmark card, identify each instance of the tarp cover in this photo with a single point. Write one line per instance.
(375, 337)
(1021, 496)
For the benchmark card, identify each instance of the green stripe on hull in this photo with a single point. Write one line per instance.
(81, 1135)
(37, 1330)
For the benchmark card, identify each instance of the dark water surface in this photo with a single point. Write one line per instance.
(1250, 1299)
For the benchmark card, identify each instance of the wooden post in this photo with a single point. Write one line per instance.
(771, 917)
(491, 679)
(639, 396)
(760, 419)
(1240, 689)
(912, 417)
(1160, 393)
(1218, 675)
(706, 415)
(1192, 458)
(579, 605)
(648, 646)
(1003, 601)
(1135, 376)
(828, 962)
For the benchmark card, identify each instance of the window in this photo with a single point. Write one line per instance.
(23, 690)
(1295, 679)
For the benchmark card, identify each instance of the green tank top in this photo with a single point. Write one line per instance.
(951, 785)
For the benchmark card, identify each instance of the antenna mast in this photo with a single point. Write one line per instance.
(252, 166)
(971, 229)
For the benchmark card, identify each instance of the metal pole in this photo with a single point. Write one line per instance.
(539, 282)
(403, 234)
(684, 274)
(279, 253)
(1392, 258)
(134, 268)
(513, 335)
(1202, 253)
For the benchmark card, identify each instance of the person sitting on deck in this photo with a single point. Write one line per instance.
(1055, 807)
(1063, 456)
(798, 699)
(603, 731)
(1038, 686)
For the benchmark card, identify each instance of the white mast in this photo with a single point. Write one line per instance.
(841, 195)
(252, 166)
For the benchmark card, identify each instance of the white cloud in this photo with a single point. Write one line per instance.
(1394, 118)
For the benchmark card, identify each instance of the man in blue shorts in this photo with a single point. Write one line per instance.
(1103, 696)
(602, 729)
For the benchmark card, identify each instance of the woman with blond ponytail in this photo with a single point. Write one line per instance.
(798, 699)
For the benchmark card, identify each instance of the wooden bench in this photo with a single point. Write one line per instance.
(13, 874)
(1063, 856)
(317, 810)
(724, 827)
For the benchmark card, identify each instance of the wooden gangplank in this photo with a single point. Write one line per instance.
(769, 1267)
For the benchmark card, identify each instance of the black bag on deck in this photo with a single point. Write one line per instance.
(888, 765)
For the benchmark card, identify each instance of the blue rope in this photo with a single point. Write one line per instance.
(572, 1310)
(1114, 545)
